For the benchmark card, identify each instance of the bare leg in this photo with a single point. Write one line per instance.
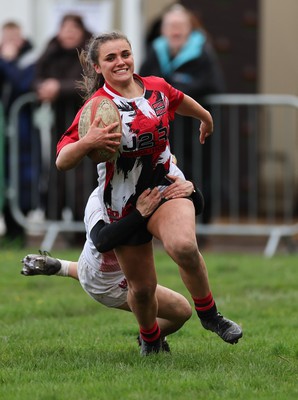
(173, 310)
(137, 263)
(174, 224)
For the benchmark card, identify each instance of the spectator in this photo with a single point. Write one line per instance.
(57, 71)
(184, 56)
(16, 75)
(16, 64)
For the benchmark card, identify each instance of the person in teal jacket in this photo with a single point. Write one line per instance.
(184, 56)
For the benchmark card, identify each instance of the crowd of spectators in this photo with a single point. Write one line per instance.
(177, 48)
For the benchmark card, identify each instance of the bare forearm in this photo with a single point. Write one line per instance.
(71, 155)
(190, 108)
(97, 139)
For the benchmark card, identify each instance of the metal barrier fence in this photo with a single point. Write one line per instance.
(253, 174)
(57, 199)
(248, 170)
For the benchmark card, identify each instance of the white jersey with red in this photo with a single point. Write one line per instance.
(99, 273)
(94, 212)
(144, 156)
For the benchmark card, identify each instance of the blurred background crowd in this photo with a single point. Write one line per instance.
(201, 47)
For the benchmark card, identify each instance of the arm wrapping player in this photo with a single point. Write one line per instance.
(106, 236)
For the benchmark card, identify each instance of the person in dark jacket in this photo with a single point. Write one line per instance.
(59, 68)
(57, 71)
(17, 67)
(183, 55)
(16, 64)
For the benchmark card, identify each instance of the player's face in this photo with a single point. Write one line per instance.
(115, 62)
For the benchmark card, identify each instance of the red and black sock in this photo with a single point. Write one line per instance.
(150, 335)
(205, 307)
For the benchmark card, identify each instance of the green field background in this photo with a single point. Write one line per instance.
(57, 343)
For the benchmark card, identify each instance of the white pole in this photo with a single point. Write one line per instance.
(132, 25)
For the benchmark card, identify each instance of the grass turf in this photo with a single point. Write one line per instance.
(57, 343)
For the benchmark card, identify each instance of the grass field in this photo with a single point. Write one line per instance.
(57, 343)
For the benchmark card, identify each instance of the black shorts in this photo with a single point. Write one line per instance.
(141, 235)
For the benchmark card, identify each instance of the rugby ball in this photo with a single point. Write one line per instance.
(106, 109)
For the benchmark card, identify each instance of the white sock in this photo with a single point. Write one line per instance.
(63, 271)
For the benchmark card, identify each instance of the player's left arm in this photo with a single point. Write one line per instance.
(191, 108)
(184, 188)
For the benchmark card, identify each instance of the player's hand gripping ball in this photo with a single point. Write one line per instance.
(106, 109)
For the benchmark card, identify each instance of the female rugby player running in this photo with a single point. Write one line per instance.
(146, 106)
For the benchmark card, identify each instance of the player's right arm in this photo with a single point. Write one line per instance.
(71, 154)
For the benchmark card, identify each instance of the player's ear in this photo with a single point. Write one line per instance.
(97, 68)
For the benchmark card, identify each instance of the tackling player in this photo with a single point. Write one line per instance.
(98, 269)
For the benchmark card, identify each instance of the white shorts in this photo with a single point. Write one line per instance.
(108, 288)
